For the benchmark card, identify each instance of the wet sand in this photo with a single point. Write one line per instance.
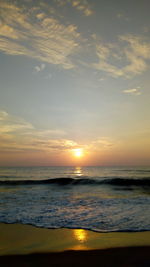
(24, 245)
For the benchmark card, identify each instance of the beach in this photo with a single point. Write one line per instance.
(66, 216)
(25, 245)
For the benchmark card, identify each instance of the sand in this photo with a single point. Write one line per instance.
(30, 246)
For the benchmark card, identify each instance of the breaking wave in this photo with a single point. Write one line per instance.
(81, 181)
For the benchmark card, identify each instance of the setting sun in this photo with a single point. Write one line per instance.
(78, 152)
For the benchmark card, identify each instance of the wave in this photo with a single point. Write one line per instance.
(77, 227)
(134, 170)
(128, 182)
(81, 181)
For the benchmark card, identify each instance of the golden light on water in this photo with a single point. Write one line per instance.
(80, 235)
(78, 171)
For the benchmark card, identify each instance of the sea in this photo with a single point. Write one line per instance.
(103, 199)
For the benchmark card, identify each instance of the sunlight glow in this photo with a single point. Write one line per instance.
(78, 152)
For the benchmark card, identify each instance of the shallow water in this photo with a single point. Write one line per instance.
(97, 198)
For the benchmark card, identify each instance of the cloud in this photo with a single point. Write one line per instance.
(134, 91)
(11, 124)
(3, 115)
(39, 68)
(17, 135)
(102, 143)
(123, 16)
(37, 34)
(80, 5)
(128, 57)
(83, 6)
(103, 52)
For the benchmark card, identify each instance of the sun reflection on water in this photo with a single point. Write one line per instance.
(78, 171)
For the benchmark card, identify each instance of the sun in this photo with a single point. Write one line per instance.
(78, 152)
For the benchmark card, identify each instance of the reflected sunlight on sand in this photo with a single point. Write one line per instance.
(80, 235)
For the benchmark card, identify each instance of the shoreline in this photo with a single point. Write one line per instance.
(26, 239)
(65, 228)
(27, 246)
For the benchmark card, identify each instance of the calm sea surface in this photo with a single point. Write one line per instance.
(97, 198)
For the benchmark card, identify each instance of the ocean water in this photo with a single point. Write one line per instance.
(96, 198)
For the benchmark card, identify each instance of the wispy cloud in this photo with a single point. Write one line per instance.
(133, 91)
(131, 52)
(18, 135)
(122, 16)
(36, 34)
(80, 5)
(11, 124)
(39, 34)
(39, 67)
(83, 6)
(102, 143)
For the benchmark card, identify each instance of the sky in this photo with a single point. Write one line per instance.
(74, 76)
